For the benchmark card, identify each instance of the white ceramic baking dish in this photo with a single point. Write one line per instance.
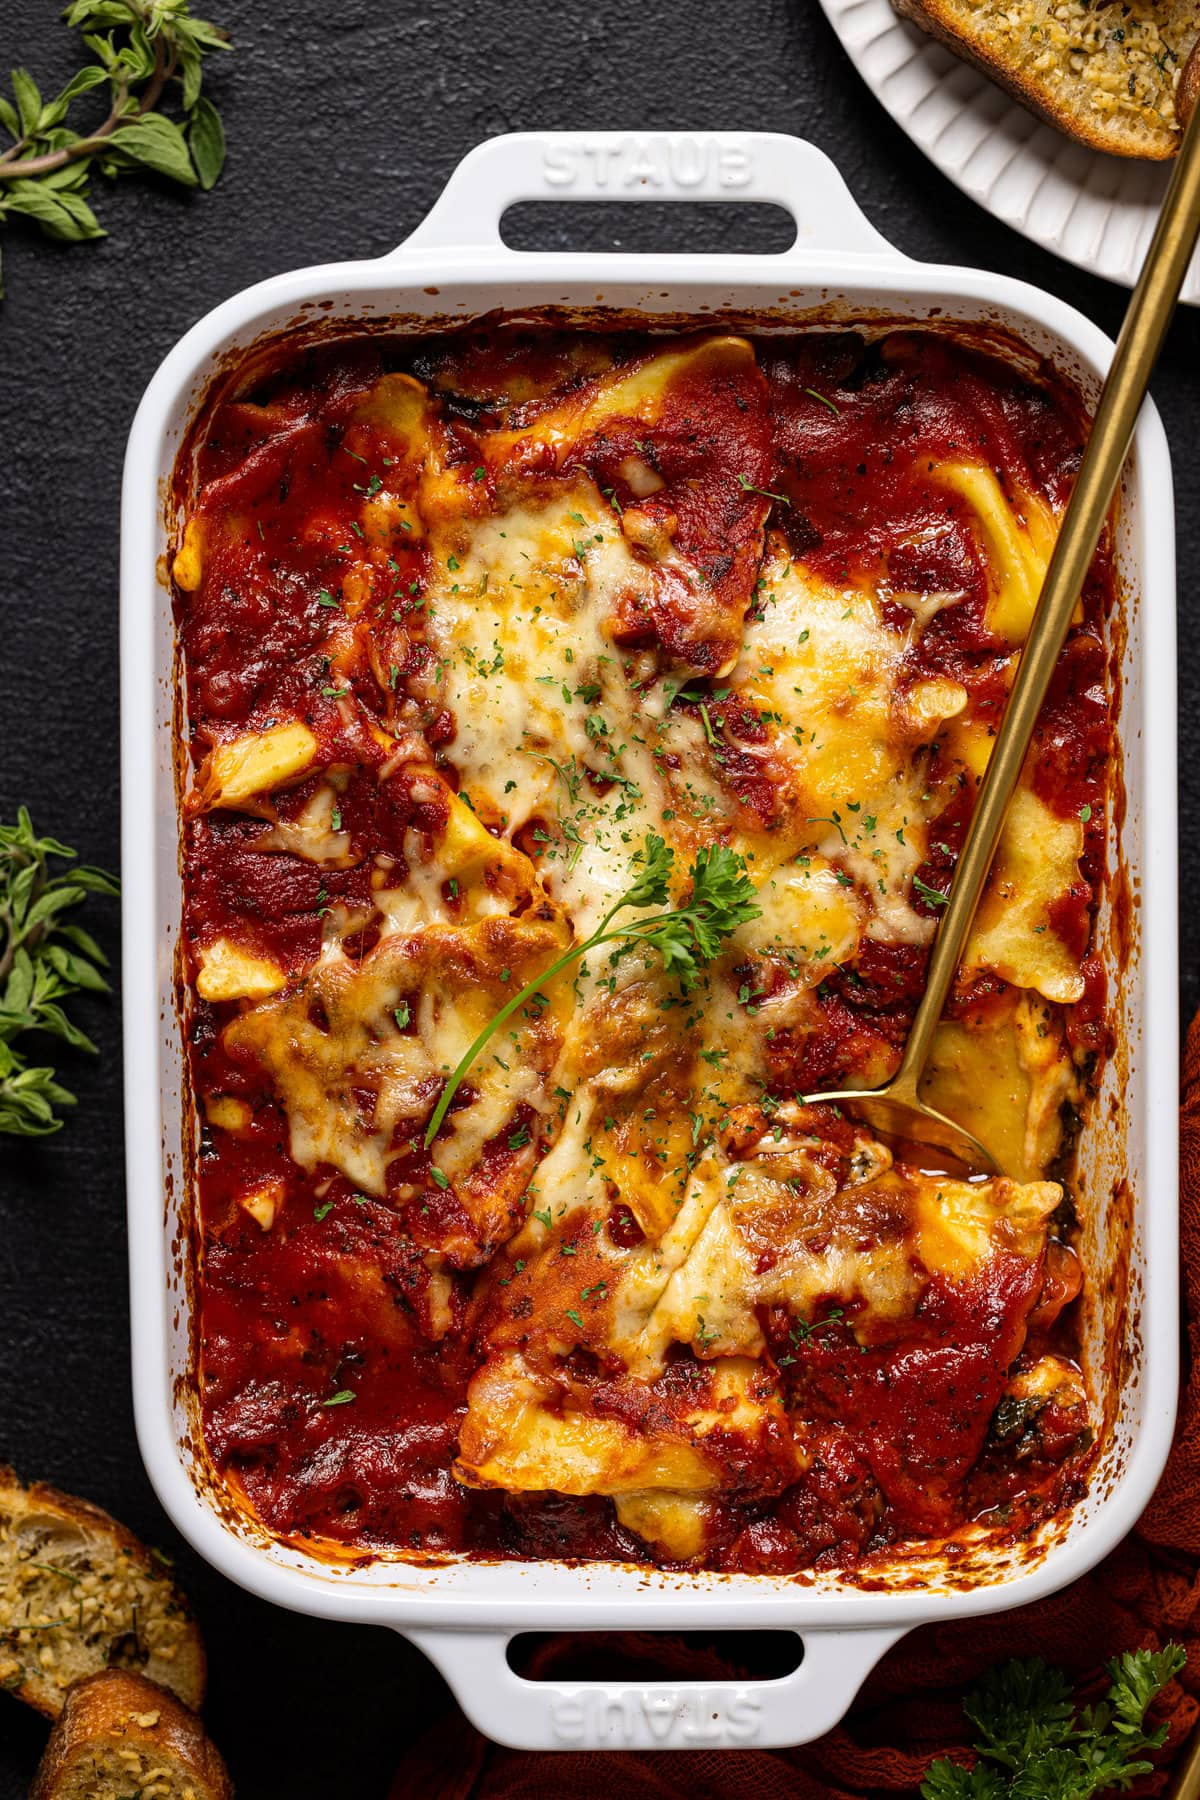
(463, 1615)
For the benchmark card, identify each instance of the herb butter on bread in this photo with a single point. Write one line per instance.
(1112, 76)
(120, 1736)
(79, 1593)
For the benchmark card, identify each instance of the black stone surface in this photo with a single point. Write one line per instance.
(343, 122)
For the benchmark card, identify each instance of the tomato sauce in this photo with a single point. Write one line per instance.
(327, 1397)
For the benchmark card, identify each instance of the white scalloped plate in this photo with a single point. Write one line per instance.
(1097, 211)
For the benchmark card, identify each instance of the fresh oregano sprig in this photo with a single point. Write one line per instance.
(139, 48)
(1032, 1743)
(685, 937)
(43, 961)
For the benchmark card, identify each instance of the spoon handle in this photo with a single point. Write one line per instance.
(1142, 333)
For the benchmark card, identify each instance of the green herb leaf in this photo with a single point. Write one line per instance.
(29, 100)
(949, 1781)
(42, 963)
(157, 143)
(825, 401)
(64, 217)
(685, 937)
(1032, 1743)
(143, 51)
(651, 886)
(748, 487)
(206, 141)
(930, 895)
(341, 1398)
(89, 77)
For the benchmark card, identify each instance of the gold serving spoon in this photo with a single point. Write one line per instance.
(897, 1109)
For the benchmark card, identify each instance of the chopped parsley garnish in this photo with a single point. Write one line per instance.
(825, 401)
(930, 895)
(748, 487)
(1032, 1741)
(685, 938)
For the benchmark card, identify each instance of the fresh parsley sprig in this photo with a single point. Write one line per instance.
(43, 960)
(1032, 1743)
(685, 937)
(138, 48)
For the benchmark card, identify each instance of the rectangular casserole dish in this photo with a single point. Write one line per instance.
(454, 269)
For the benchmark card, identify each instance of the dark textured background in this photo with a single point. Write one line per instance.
(343, 121)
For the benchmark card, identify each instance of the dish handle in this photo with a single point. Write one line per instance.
(653, 165)
(683, 1715)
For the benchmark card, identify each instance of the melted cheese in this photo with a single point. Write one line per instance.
(1006, 1075)
(1037, 861)
(810, 918)
(636, 394)
(566, 751)
(228, 971)
(188, 566)
(779, 1230)
(467, 874)
(262, 1203)
(824, 670)
(227, 1113)
(548, 727)
(1018, 541)
(256, 763)
(358, 1052)
(312, 834)
(514, 1438)
(677, 1523)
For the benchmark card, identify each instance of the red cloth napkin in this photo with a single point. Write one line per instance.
(1145, 1594)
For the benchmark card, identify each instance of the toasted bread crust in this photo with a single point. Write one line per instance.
(113, 1603)
(122, 1721)
(84, 1513)
(1188, 91)
(944, 22)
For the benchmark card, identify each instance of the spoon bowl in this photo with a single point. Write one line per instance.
(894, 1116)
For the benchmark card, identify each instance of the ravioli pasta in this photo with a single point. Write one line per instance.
(463, 622)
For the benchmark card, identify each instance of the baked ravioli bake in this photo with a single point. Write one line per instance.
(579, 734)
